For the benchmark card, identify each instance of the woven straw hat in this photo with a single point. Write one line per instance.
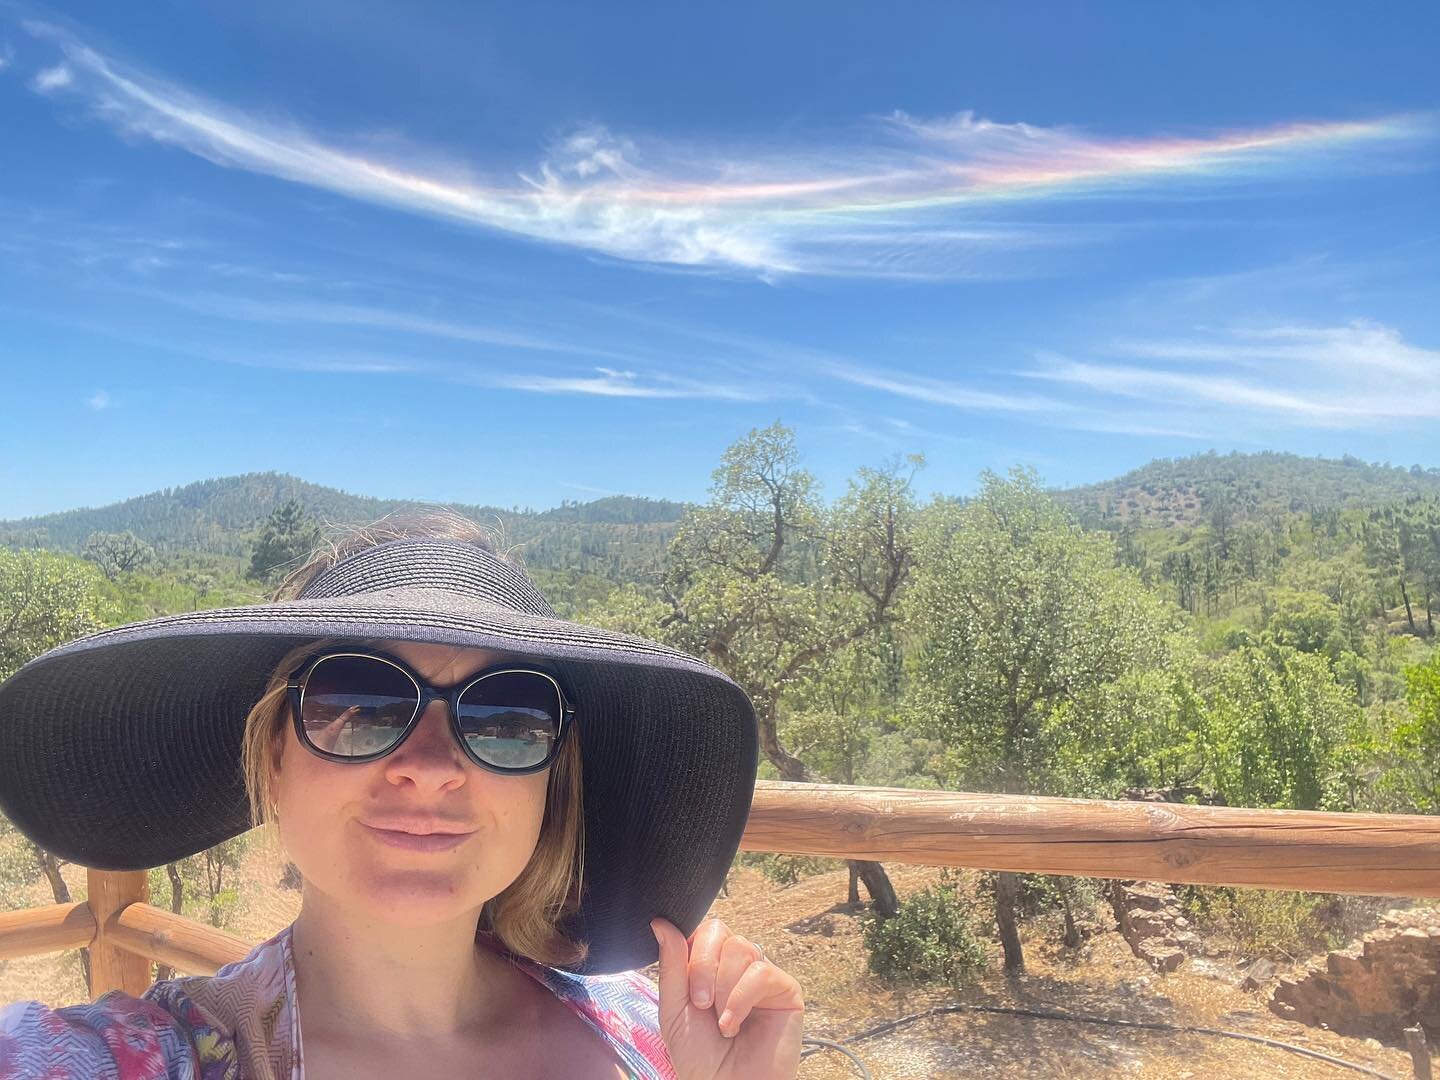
(122, 749)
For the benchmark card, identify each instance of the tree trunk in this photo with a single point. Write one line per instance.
(1072, 932)
(877, 882)
(1409, 614)
(1007, 889)
(50, 867)
(852, 896)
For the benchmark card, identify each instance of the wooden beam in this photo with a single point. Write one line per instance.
(186, 945)
(1369, 854)
(45, 929)
(112, 968)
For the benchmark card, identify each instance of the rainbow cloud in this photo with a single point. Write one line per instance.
(907, 210)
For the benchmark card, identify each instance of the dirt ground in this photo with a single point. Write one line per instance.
(809, 930)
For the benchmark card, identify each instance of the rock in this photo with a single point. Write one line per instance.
(1388, 981)
(1258, 974)
(1162, 959)
(1149, 919)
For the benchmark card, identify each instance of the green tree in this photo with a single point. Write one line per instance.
(288, 537)
(771, 585)
(118, 553)
(46, 599)
(1020, 613)
(1276, 728)
(1415, 740)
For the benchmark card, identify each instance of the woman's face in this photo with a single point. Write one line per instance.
(365, 835)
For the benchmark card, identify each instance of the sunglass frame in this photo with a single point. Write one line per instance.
(425, 693)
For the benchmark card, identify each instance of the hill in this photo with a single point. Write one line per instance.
(619, 537)
(1184, 491)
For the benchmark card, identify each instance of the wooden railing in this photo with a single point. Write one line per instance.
(1370, 854)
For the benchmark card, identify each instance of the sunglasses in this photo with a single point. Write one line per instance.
(360, 706)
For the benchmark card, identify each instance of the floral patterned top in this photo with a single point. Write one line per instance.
(243, 1023)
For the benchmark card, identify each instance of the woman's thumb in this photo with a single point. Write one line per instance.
(674, 965)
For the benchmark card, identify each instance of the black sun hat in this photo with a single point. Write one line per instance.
(121, 750)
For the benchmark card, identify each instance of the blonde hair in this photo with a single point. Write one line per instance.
(525, 916)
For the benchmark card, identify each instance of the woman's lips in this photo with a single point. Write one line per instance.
(417, 841)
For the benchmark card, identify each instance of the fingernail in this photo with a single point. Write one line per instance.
(726, 1019)
(702, 999)
(655, 930)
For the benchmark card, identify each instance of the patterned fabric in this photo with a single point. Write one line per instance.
(243, 1024)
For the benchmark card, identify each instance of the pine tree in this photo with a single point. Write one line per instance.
(289, 535)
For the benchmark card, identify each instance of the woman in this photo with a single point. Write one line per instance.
(496, 814)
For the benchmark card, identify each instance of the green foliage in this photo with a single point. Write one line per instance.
(773, 587)
(118, 553)
(1265, 922)
(18, 869)
(288, 538)
(207, 882)
(1275, 725)
(930, 940)
(1023, 621)
(1254, 485)
(46, 600)
(1413, 742)
(786, 870)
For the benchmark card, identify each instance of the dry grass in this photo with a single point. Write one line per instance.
(809, 931)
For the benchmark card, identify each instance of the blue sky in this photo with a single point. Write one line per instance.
(514, 254)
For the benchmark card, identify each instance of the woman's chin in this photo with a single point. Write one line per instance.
(420, 898)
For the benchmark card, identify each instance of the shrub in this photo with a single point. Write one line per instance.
(1265, 922)
(930, 940)
(785, 870)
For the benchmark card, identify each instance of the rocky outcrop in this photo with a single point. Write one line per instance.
(1386, 982)
(1152, 924)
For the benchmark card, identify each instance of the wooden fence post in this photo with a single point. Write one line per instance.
(112, 968)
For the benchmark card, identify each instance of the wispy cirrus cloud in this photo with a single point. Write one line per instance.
(1238, 384)
(98, 401)
(935, 391)
(889, 203)
(1357, 376)
(607, 382)
(586, 382)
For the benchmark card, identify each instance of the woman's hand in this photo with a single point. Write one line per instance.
(726, 1011)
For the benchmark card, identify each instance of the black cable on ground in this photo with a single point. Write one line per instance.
(826, 1044)
(1045, 1014)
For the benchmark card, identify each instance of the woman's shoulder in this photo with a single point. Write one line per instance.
(231, 1024)
(623, 1008)
(117, 1035)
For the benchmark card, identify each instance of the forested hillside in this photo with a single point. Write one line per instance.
(1183, 491)
(619, 537)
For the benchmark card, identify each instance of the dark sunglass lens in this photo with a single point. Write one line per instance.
(355, 705)
(511, 719)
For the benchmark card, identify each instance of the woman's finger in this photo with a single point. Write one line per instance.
(705, 945)
(674, 955)
(737, 954)
(761, 986)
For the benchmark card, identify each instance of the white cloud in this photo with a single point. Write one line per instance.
(1359, 376)
(882, 202)
(607, 383)
(98, 400)
(939, 391)
(52, 79)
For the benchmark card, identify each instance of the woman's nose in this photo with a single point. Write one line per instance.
(429, 758)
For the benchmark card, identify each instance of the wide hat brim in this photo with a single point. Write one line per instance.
(121, 750)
